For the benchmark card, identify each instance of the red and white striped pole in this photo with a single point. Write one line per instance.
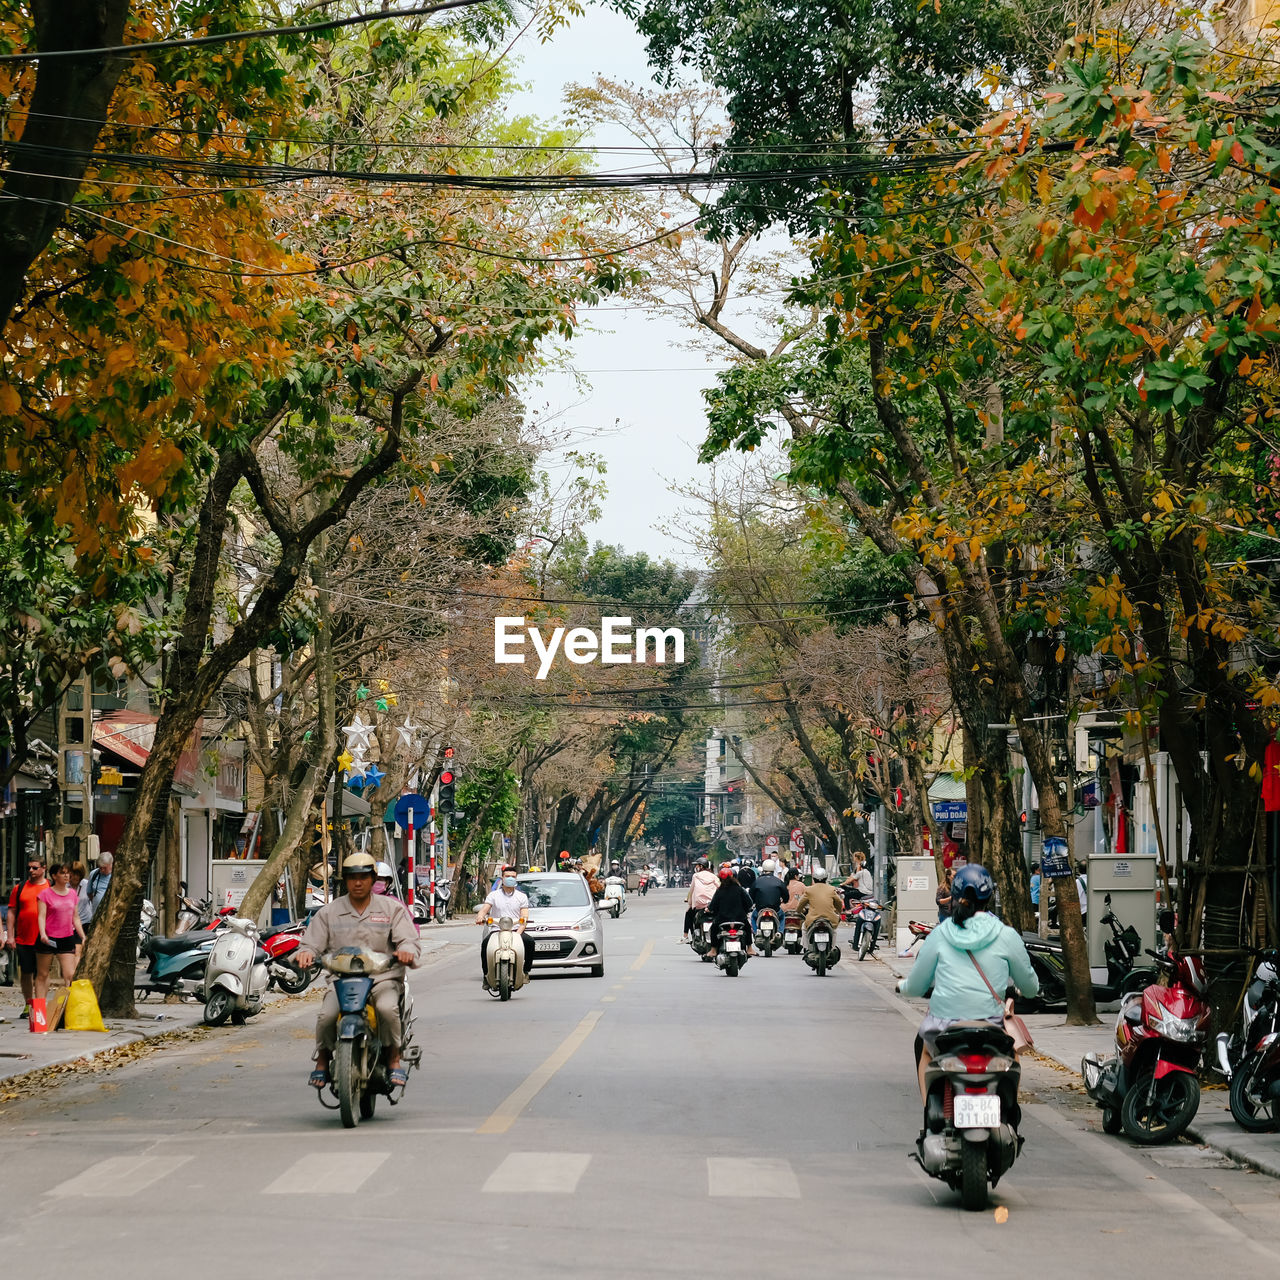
(431, 842)
(408, 857)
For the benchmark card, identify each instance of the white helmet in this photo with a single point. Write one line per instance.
(383, 871)
(768, 866)
(819, 873)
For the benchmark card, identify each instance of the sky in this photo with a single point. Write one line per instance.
(637, 400)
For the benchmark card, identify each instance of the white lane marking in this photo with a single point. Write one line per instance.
(328, 1174)
(553, 1172)
(120, 1176)
(751, 1177)
(1176, 1203)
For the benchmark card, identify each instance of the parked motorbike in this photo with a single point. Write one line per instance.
(821, 951)
(731, 947)
(504, 959)
(1149, 1088)
(146, 923)
(175, 966)
(1124, 975)
(868, 913)
(971, 1113)
(919, 930)
(768, 931)
(359, 1068)
(280, 943)
(1251, 1060)
(791, 938)
(235, 978)
(700, 939)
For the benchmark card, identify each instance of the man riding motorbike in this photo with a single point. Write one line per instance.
(702, 888)
(768, 892)
(820, 901)
(507, 901)
(730, 902)
(950, 959)
(358, 919)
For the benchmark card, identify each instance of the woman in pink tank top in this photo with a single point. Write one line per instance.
(60, 928)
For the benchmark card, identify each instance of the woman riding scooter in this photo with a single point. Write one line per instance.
(952, 955)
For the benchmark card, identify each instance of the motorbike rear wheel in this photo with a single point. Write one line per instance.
(820, 964)
(348, 1084)
(1253, 1114)
(504, 980)
(217, 1009)
(290, 979)
(973, 1176)
(1151, 1116)
(867, 943)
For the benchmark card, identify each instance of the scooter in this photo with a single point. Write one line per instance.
(868, 914)
(1251, 1061)
(768, 931)
(701, 939)
(615, 895)
(359, 1071)
(504, 959)
(280, 943)
(1149, 1088)
(791, 938)
(731, 948)
(971, 1113)
(235, 980)
(821, 951)
(175, 966)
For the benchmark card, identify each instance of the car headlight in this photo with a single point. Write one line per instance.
(587, 922)
(1175, 1028)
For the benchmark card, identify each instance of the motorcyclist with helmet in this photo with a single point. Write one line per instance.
(359, 919)
(950, 959)
(507, 901)
(820, 901)
(730, 903)
(383, 876)
(702, 888)
(768, 892)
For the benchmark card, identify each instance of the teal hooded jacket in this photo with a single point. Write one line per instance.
(958, 989)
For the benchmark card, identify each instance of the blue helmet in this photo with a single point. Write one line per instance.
(974, 880)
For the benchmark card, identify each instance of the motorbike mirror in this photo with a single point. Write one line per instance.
(1167, 921)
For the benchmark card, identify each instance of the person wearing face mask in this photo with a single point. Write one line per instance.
(506, 902)
(383, 876)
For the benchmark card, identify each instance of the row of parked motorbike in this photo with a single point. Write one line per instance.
(224, 961)
(729, 950)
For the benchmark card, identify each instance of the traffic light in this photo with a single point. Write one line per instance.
(445, 800)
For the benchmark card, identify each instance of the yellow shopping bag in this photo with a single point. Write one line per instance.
(82, 1008)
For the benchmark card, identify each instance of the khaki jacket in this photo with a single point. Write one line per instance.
(384, 925)
(821, 902)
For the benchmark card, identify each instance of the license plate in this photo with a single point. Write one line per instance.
(793, 934)
(733, 945)
(977, 1110)
(821, 940)
(546, 944)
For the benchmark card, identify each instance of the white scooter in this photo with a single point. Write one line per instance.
(235, 978)
(504, 959)
(615, 895)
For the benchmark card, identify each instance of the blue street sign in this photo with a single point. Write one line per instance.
(412, 809)
(951, 811)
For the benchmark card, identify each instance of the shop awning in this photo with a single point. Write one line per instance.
(130, 734)
(946, 787)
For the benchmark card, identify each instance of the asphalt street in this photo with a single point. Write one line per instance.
(663, 1120)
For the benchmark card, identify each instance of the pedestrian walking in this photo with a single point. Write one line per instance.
(24, 927)
(94, 889)
(59, 929)
(1035, 886)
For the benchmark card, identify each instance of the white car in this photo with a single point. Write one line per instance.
(563, 922)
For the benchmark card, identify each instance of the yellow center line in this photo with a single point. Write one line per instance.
(645, 952)
(508, 1111)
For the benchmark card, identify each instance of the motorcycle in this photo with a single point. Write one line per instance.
(175, 966)
(821, 951)
(791, 938)
(768, 931)
(868, 913)
(919, 931)
(701, 939)
(280, 943)
(971, 1112)
(615, 896)
(1122, 950)
(1149, 1087)
(1251, 1061)
(731, 947)
(504, 959)
(359, 1071)
(235, 978)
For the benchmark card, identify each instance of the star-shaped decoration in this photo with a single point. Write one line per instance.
(358, 732)
(373, 776)
(407, 731)
(345, 761)
(362, 692)
(382, 704)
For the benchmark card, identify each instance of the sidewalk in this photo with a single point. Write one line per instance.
(22, 1052)
(1065, 1046)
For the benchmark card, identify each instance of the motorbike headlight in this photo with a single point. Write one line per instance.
(1175, 1028)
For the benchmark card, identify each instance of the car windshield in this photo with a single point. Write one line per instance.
(569, 892)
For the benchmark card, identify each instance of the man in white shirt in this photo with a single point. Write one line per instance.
(506, 902)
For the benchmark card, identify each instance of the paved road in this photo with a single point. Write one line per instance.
(685, 1124)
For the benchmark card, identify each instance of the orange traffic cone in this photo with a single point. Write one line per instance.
(39, 1020)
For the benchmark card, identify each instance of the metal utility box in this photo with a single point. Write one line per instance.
(1130, 879)
(917, 880)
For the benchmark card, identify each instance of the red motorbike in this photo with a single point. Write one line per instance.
(279, 944)
(1150, 1088)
